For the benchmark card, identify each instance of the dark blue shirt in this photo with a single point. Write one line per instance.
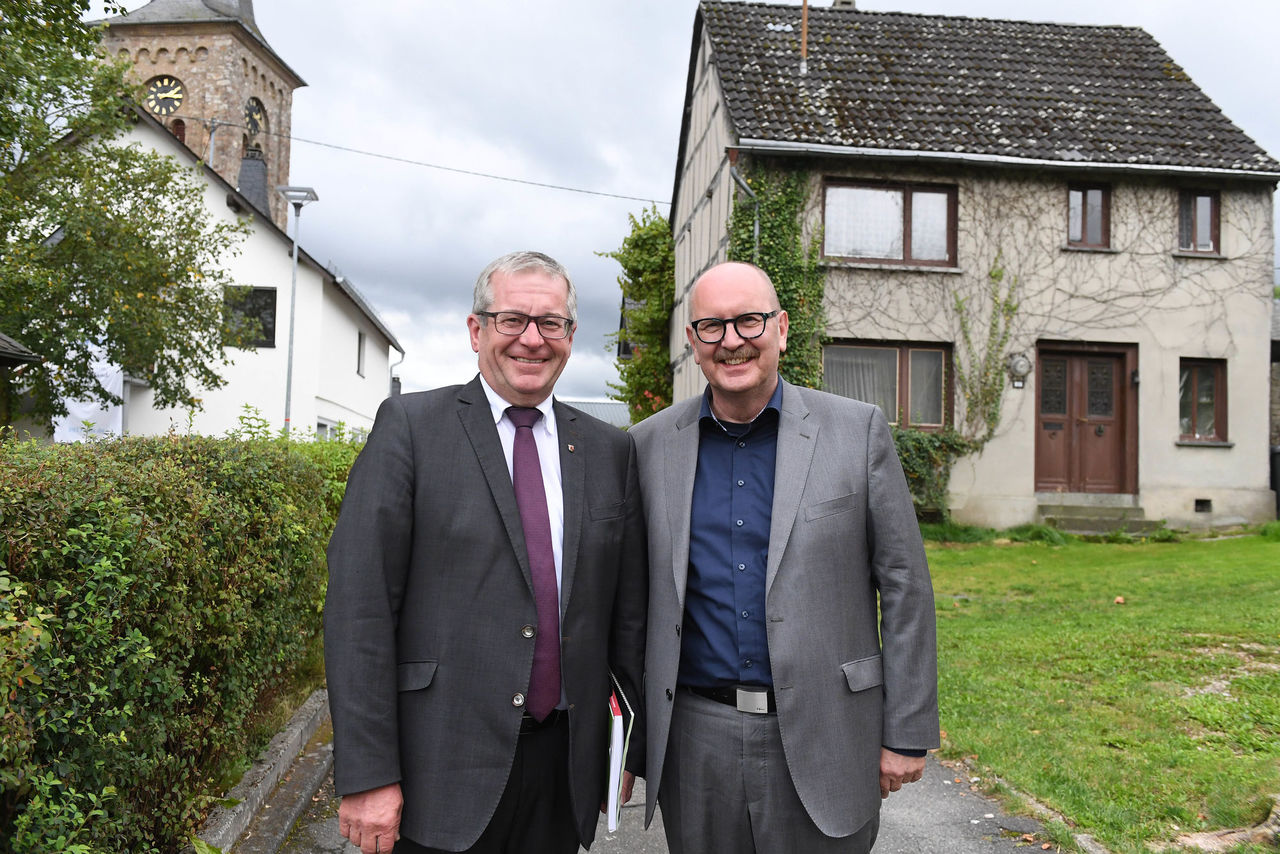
(724, 641)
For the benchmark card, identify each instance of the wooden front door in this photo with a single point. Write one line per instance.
(1082, 422)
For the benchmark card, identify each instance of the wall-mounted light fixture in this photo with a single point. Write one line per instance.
(1019, 365)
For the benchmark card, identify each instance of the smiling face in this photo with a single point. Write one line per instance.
(523, 368)
(742, 373)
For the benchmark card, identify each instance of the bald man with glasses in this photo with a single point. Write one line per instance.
(791, 672)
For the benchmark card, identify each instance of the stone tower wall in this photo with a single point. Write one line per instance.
(221, 67)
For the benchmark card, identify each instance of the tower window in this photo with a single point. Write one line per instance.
(179, 129)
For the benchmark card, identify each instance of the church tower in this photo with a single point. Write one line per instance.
(211, 78)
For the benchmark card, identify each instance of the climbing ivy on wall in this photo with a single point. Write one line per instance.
(647, 256)
(980, 363)
(790, 261)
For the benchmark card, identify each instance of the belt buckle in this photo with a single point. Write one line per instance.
(753, 702)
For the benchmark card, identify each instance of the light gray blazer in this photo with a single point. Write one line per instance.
(843, 531)
(429, 593)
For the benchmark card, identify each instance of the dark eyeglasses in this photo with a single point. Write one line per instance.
(549, 326)
(710, 330)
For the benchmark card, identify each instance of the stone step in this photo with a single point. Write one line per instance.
(1073, 524)
(1090, 511)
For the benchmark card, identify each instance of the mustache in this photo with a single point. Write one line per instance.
(746, 351)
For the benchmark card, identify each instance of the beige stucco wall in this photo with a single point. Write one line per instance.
(1139, 292)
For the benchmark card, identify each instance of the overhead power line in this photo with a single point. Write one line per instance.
(424, 164)
(474, 173)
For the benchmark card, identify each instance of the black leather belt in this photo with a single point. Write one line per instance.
(529, 724)
(756, 701)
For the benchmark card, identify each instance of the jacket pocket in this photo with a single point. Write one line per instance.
(607, 511)
(864, 673)
(414, 675)
(829, 508)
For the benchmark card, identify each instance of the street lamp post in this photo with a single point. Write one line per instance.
(296, 196)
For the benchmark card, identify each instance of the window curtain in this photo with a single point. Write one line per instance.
(926, 387)
(868, 374)
(862, 222)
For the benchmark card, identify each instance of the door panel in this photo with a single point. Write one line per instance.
(1080, 423)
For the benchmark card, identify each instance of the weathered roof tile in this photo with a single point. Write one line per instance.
(976, 86)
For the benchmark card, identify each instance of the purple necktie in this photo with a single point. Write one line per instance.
(526, 476)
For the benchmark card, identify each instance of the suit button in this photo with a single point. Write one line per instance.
(668, 693)
(527, 631)
(517, 700)
(677, 631)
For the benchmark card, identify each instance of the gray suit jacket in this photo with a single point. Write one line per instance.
(429, 588)
(843, 531)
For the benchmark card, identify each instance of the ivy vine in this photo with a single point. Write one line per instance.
(648, 260)
(980, 366)
(791, 262)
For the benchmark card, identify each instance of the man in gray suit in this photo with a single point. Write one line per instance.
(486, 574)
(781, 703)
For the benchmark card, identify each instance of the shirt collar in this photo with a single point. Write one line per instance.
(498, 406)
(775, 403)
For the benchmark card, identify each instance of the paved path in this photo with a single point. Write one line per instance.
(941, 814)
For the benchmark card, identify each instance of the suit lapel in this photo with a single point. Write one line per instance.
(477, 422)
(796, 440)
(681, 453)
(573, 472)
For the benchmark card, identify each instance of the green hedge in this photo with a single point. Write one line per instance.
(151, 591)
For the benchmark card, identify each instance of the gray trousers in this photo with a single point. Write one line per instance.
(726, 788)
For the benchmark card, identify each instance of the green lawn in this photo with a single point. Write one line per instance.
(1136, 721)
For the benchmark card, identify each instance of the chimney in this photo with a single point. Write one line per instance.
(840, 4)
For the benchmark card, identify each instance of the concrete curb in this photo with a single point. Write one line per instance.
(225, 825)
(274, 823)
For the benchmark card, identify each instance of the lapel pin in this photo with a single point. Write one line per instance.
(571, 449)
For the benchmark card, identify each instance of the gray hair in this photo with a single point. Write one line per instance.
(519, 262)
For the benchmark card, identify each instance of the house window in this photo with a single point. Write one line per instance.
(907, 381)
(250, 316)
(1198, 221)
(1202, 400)
(360, 353)
(902, 223)
(1089, 216)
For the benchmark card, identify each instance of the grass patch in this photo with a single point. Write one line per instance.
(1136, 721)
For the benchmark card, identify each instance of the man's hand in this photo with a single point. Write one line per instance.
(371, 819)
(896, 770)
(624, 794)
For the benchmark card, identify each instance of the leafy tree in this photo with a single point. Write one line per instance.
(648, 260)
(106, 249)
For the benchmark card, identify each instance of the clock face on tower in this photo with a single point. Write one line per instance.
(255, 115)
(164, 94)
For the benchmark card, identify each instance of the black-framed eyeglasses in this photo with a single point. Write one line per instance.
(710, 330)
(549, 326)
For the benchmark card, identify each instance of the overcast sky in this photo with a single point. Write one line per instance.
(580, 93)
